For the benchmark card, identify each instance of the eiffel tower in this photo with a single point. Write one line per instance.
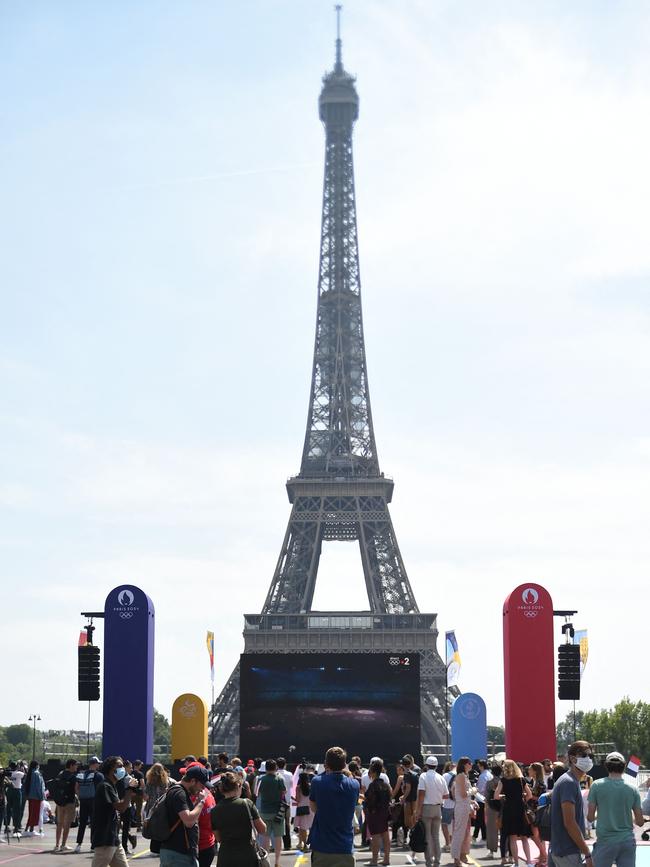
(340, 493)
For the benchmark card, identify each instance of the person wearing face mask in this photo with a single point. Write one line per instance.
(181, 848)
(105, 822)
(568, 846)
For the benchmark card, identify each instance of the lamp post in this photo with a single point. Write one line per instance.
(34, 718)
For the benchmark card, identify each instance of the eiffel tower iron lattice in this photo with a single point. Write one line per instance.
(339, 493)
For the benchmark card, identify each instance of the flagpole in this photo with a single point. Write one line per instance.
(212, 730)
(446, 713)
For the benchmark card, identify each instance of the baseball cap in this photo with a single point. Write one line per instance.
(189, 765)
(615, 757)
(376, 759)
(431, 761)
(197, 773)
(93, 759)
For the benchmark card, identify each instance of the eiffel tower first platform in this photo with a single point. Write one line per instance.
(340, 493)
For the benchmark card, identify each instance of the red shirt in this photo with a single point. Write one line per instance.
(206, 834)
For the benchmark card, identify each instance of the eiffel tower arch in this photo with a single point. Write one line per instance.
(340, 494)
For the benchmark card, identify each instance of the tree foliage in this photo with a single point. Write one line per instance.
(626, 725)
(496, 735)
(18, 734)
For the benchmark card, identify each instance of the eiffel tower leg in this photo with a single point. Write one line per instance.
(388, 586)
(224, 717)
(292, 587)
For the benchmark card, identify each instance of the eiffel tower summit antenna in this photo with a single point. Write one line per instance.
(338, 66)
(340, 493)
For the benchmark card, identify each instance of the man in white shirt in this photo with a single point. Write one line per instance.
(432, 792)
(288, 782)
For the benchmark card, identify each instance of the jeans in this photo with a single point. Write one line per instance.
(14, 807)
(86, 807)
(171, 858)
(206, 856)
(286, 839)
(624, 854)
(572, 860)
(432, 819)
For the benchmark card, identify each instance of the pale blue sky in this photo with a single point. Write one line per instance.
(161, 171)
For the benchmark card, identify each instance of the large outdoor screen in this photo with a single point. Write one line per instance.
(298, 705)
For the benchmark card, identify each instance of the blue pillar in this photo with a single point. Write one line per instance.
(128, 674)
(468, 727)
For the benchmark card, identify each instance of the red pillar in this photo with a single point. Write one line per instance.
(529, 674)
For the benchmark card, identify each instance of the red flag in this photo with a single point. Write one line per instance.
(83, 638)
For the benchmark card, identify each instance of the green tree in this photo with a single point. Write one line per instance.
(162, 732)
(19, 734)
(496, 735)
(162, 737)
(626, 725)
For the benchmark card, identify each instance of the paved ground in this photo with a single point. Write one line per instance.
(35, 851)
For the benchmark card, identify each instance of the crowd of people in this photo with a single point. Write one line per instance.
(239, 812)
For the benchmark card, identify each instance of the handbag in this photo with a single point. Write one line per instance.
(302, 811)
(260, 853)
(529, 814)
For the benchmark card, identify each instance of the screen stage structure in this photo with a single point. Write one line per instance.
(299, 705)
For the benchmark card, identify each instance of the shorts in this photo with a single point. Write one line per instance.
(274, 826)
(329, 859)
(65, 814)
(113, 855)
(447, 815)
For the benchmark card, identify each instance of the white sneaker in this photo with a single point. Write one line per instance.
(56, 849)
(17, 834)
(66, 848)
(39, 833)
(77, 849)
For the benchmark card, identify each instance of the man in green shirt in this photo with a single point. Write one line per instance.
(270, 797)
(614, 803)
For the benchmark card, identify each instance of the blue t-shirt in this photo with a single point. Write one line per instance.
(566, 790)
(335, 796)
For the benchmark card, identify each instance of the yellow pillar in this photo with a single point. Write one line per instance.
(189, 727)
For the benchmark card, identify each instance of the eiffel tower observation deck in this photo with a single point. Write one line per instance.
(340, 494)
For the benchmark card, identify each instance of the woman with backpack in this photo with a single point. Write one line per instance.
(156, 784)
(35, 792)
(377, 807)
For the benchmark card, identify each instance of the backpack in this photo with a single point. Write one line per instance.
(543, 820)
(418, 837)
(156, 826)
(59, 790)
(87, 785)
(378, 795)
(412, 780)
